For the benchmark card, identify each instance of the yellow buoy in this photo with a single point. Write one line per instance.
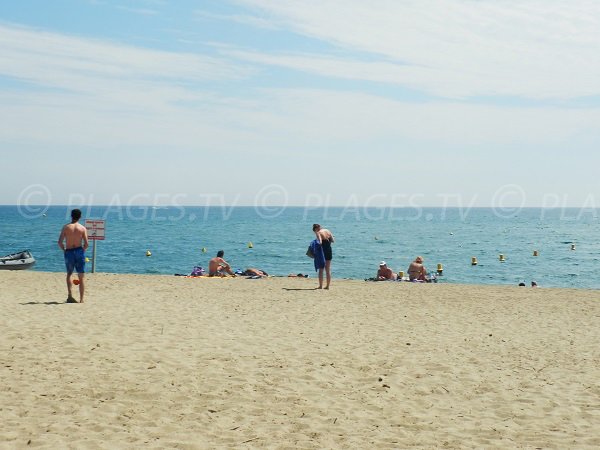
(87, 259)
(440, 268)
(572, 246)
(473, 261)
(250, 245)
(535, 253)
(203, 249)
(501, 258)
(148, 253)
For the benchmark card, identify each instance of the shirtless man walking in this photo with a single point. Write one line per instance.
(73, 240)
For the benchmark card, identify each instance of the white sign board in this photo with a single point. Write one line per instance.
(95, 229)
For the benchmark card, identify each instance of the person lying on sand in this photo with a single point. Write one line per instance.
(385, 273)
(253, 272)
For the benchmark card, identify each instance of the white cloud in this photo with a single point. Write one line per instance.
(140, 11)
(535, 49)
(147, 97)
(281, 135)
(274, 122)
(105, 69)
(419, 78)
(244, 19)
(311, 115)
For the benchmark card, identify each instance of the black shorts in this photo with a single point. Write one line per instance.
(327, 250)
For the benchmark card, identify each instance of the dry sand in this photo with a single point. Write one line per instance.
(172, 362)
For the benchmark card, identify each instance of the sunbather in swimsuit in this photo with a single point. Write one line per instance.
(416, 270)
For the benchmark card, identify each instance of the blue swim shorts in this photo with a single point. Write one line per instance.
(75, 260)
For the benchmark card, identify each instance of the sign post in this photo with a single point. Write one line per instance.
(95, 229)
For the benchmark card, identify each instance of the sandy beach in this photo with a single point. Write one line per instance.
(174, 362)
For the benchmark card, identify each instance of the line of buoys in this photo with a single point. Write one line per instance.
(502, 257)
(204, 250)
(148, 253)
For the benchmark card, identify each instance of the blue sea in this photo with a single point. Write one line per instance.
(176, 237)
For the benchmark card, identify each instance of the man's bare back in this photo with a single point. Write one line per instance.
(218, 266)
(416, 270)
(73, 235)
(325, 234)
(215, 265)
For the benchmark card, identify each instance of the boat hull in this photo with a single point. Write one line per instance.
(17, 261)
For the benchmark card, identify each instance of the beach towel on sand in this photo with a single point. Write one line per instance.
(319, 256)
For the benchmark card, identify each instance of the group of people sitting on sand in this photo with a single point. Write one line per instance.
(218, 267)
(416, 272)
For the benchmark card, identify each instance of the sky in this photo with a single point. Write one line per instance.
(313, 102)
